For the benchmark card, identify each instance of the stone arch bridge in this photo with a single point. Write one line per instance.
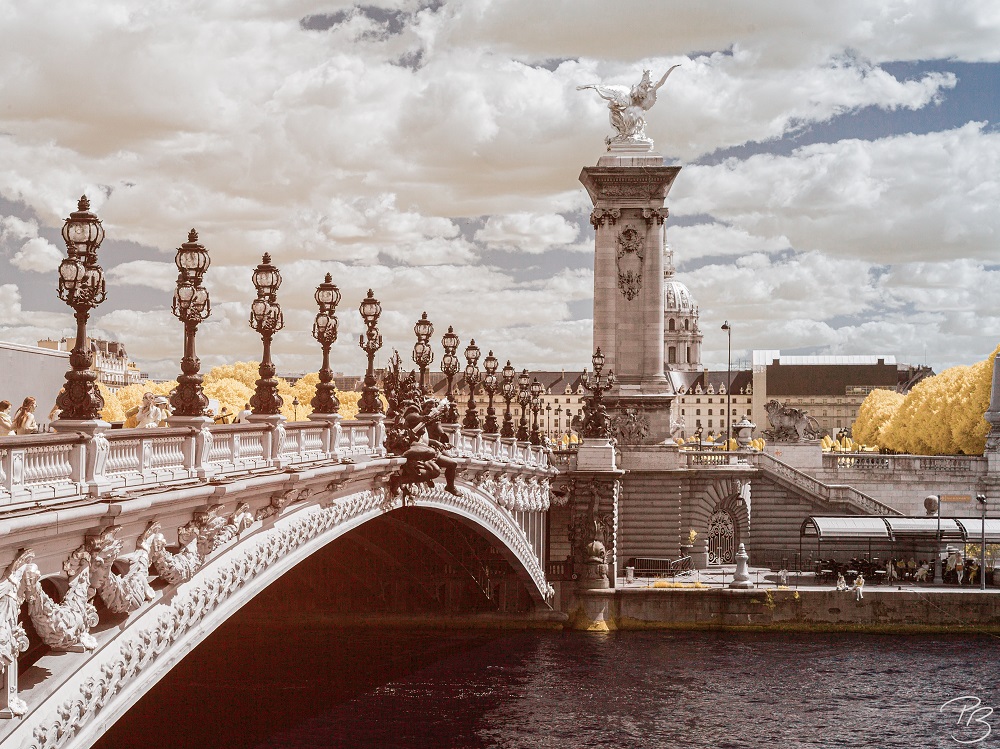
(123, 551)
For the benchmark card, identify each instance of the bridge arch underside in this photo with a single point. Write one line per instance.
(437, 554)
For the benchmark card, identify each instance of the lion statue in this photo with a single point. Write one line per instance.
(790, 424)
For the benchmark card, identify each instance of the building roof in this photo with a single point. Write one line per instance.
(711, 379)
(765, 357)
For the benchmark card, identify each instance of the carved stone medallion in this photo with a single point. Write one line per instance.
(631, 246)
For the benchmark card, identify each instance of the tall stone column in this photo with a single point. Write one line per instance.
(628, 190)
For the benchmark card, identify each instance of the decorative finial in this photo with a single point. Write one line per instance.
(192, 236)
(83, 204)
(328, 279)
(266, 260)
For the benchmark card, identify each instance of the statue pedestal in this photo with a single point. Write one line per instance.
(593, 577)
(807, 454)
(595, 455)
(628, 189)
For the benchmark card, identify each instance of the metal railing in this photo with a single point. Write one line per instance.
(653, 567)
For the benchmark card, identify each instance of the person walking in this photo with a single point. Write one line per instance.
(24, 419)
(6, 427)
(242, 417)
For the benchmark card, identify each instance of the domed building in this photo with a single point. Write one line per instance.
(681, 334)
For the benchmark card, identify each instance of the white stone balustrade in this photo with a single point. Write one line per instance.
(42, 467)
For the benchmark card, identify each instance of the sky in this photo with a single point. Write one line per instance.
(838, 193)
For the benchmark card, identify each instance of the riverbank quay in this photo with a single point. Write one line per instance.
(701, 604)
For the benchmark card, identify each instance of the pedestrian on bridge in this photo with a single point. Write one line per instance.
(24, 419)
(6, 427)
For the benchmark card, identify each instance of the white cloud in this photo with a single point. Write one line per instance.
(899, 198)
(38, 255)
(319, 147)
(529, 233)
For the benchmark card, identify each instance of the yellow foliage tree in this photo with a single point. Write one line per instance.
(112, 410)
(244, 371)
(231, 393)
(875, 412)
(943, 415)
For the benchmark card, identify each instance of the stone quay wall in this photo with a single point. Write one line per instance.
(907, 610)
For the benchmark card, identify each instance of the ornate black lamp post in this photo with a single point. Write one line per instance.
(422, 354)
(597, 424)
(558, 411)
(729, 383)
(508, 390)
(191, 305)
(523, 400)
(370, 342)
(536, 406)
(81, 286)
(266, 319)
(472, 377)
(324, 330)
(491, 384)
(449, 368)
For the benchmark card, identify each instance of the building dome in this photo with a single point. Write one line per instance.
(676, 298)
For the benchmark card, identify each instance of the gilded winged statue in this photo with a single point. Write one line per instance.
(628, 106)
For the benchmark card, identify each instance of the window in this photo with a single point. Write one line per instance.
(672, 355)
(682, 412)
(734, 412)
(697, 412)
(687, 326)
(710, 411)
(697, 400)
(688, 349)
(670, 325)
(709, 423)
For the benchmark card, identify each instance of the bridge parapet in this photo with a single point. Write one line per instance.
(39, 468)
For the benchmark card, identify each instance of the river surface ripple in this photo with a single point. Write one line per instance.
(398, 689)
(662, 689)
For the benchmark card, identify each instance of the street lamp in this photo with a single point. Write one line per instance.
(548, 421)
(523, 400)
(508, 390)
(81, 286)
(558, 412)
(295, 409)
(597, 423)
(932, 505)
(729, 383)
(422, 353)
(266, 319)
(981, 499)
(491, 384)
(472, 377)
(370, 342)
(536, 406)
(324, 330)
(449, 368)
(191, 305)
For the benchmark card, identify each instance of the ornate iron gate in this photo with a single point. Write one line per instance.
(721, 538)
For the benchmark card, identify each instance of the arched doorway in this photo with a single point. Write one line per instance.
(721, 538)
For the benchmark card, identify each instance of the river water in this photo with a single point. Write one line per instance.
(316, 687)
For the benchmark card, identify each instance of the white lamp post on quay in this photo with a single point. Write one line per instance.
(729, 383)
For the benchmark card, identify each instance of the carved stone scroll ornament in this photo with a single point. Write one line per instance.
(13, 638)
(654, 215)
(599, 216)
(64, 625)
(174, 568)
(631, 246)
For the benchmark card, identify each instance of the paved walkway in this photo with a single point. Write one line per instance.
(763, 577)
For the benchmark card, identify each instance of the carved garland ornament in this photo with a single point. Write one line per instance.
(631, 246)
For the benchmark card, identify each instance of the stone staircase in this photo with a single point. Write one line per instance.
(845, 500)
